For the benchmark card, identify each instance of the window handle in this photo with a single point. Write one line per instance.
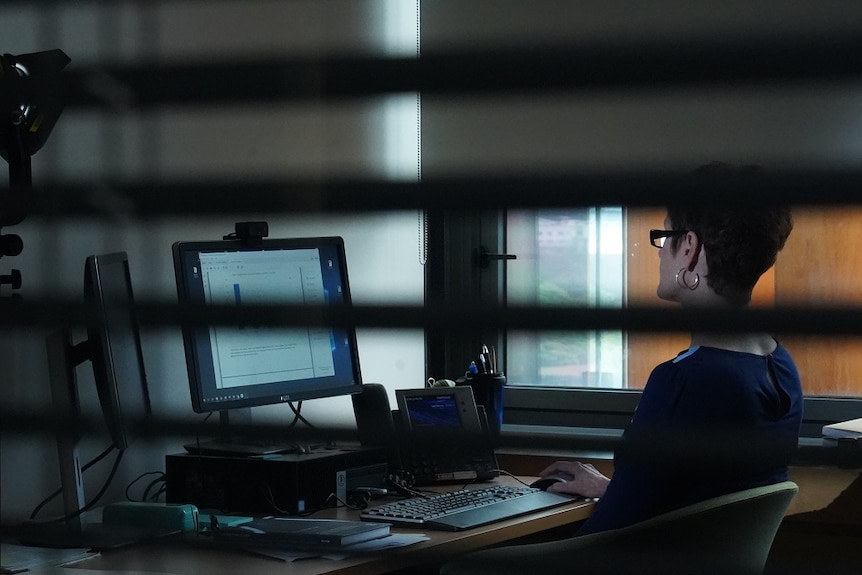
(484, 257)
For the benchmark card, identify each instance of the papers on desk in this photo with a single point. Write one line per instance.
(289, 539)
(18, 558)
(392, 541)
(851, 429)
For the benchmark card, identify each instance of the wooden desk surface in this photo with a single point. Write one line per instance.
(185, 559)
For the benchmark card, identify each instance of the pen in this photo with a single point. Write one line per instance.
(485, 356)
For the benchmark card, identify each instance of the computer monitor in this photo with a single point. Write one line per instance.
(114, 347)
(234, 367)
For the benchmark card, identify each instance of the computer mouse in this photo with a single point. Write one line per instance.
(544, 482)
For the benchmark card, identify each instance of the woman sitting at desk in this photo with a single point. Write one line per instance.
(723, 415)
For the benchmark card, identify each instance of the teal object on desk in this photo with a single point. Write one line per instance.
(207, 516)
(162, 516)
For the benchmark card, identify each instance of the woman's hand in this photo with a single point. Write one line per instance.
(585, 481)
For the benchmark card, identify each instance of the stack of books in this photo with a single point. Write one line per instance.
(297, 533)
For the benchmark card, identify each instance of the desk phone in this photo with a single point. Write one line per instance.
(436, 436)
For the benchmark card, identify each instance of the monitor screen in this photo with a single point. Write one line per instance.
(114, 346)
(233, 366)
(436, 411)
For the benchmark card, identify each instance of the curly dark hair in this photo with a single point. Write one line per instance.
(741, 241)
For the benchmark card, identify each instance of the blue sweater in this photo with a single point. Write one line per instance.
(709, 422)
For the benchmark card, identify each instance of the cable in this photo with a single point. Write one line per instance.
(102, 491)
(95, 500)
(197, 435)
(160, 479)
(297, 416)
(159, 491)
(355, 501)
(86, 466)
(402, 482)
(269, 497)
(502, 471)
(423, 214)
(516, 478)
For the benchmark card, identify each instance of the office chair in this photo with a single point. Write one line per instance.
(728, 535)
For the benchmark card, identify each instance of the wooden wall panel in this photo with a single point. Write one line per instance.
(821, 264)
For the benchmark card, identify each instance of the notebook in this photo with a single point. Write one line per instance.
(290, 532)
(851, 429)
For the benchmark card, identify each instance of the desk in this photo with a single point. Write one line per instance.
(176, 558)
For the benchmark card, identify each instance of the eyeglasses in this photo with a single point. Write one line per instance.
(658, 237)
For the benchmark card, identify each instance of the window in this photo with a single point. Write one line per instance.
(566, 258)
(576, 258)
(548, 390)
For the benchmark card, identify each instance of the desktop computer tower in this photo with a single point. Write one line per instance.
(290, 483)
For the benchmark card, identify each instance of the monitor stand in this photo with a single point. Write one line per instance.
(72, 530)
(232, 445)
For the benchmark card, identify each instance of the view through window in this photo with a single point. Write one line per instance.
(566, 258)
(601, 257)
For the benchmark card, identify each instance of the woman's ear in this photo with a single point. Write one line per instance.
(690, 249)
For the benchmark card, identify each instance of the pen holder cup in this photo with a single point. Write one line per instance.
(488, 392)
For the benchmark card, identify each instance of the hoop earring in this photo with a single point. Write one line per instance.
(680, 279)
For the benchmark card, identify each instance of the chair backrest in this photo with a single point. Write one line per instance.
(728, 535)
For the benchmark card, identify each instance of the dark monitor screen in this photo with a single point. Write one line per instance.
(114, 346)
(233, 366)
(435, 411)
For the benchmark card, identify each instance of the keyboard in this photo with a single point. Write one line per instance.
(466, 508)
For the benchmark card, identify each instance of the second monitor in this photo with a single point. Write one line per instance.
(235, 367)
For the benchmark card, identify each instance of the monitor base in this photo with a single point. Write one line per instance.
(96, 536)
(248, 448)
